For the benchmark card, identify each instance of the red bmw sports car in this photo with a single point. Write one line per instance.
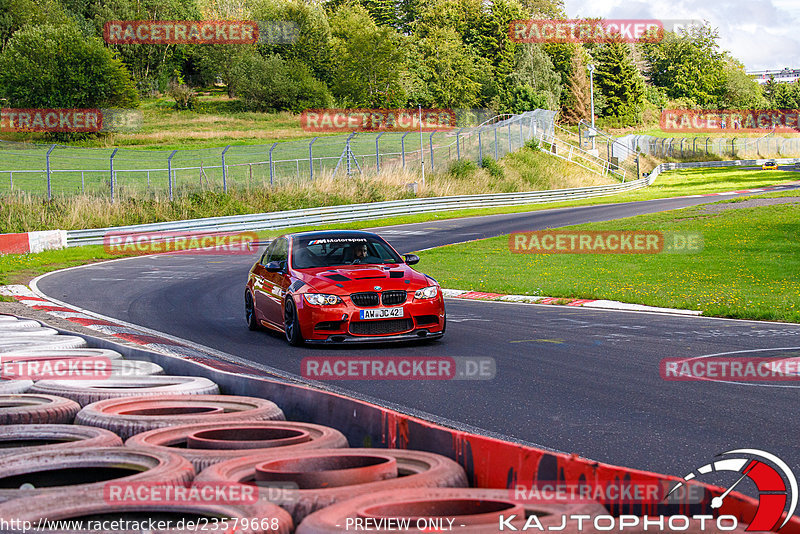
(342, 287)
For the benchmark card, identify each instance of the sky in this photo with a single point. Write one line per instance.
(762, 34)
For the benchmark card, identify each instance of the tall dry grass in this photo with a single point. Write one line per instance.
(525, 170)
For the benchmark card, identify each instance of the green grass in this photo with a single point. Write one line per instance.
(19, 268)
(747, 268)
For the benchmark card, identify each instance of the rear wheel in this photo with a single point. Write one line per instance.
(291, 324)
(250, 311)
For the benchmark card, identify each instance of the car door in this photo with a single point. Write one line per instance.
(275, 284)
(258, 275)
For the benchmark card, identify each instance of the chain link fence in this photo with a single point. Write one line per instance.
(734, 148)
(50, 170)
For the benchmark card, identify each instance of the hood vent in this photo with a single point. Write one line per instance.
(337, 277)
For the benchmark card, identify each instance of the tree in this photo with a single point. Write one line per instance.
(15, 14)
(689, 65)
(619, 81)
(274, 84)
(533, 82)
(367, 60)
(152, 66)
(740, 90)
(51, 66)
(443, 72)
(577, 103)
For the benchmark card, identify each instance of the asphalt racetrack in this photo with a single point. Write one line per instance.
(570, 379)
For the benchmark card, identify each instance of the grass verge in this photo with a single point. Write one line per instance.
(746, 270)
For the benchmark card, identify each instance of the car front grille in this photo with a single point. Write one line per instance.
(365, 300)
(388, 326)
(393, 298)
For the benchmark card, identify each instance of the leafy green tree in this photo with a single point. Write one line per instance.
(14, 14)
(152, 66)
(619, 81)
(740, 90)
(367, 60)
(533, 82)
(306, 37)
(689, 65)
(274, 84)
(785, 96)
(51, 66)
(442, 72)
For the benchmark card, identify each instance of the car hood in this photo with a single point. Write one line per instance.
(354, 278)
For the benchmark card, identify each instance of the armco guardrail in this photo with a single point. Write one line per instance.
(376, 210)
(352, 212)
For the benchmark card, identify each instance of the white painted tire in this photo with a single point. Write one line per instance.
(41, 343)
(88, 391)
(36, 353)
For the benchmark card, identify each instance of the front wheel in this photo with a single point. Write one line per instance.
(291, 324)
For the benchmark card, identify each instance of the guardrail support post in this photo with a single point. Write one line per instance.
(430, 143)
(224, 171)
(111, 165)
(271, 167)
(311, 157)
(377, 153)
(169, 172)
(49, 189)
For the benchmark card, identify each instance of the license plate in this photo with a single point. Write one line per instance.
(381, 313)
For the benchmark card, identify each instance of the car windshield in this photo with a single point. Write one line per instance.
(311, 252)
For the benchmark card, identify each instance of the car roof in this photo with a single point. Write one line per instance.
(320, 234)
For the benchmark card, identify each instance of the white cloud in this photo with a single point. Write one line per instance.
(762, 34)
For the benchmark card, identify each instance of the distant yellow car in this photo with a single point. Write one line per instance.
(769, 166)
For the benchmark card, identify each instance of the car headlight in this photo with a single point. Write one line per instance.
(426, 292)
(321, 299)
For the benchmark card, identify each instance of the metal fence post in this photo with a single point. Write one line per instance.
(11, 177)
(707, 146)
(49, 189)
(224, 171)
(271, 167)
(169, 172)
(495, 142)
(480, 149)
(509, 137)
(377, 153)
(403, 148)
(430, 143)
(458, 143)
(311, 157)
(111, 165)
(733, 146)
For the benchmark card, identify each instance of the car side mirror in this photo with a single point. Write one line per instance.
(411, 259)
(274, 267)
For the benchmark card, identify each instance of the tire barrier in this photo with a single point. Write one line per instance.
(8, 387)
(261, 517)
(15, 439)
(430, 509)
(18, 325)
(27, 409)
(210, 443)
(49, 367)
(59, 472)
(128, 416)
(34, 353)
(11, 334)
(88, 391)
(323, 478)
(41, 343)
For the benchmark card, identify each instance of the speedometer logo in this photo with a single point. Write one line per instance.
(768, 473)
